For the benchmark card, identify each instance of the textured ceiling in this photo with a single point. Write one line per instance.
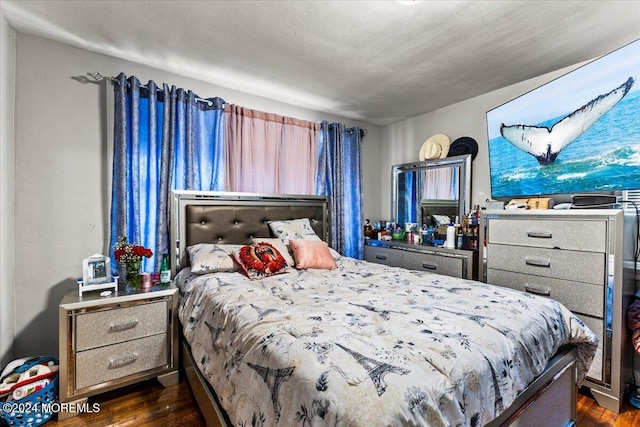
(374, 61)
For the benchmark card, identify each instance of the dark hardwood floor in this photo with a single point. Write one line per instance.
(146, 404)
(150, 404)
(592, 415)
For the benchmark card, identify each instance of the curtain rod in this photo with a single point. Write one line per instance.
(99, 77)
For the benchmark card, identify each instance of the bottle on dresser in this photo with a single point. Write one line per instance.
(450, 243)
(165, 271)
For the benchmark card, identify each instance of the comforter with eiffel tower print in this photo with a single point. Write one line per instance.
(370, 345)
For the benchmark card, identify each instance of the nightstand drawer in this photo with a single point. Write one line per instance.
(587, 267)
(441, 264)
(572, 235)
(570, 294)
(99, 328)
(119, 360)
(386, 256)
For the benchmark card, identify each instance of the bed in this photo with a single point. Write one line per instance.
(362, 344)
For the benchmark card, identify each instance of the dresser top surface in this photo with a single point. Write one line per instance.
(558, 213)
(395, 244)
(73, 301)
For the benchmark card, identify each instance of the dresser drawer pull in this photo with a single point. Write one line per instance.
(381, 257)
(123, 326)
(127, 360)
(429, 266)
(539, 234)
(538, 262)
(537, 291)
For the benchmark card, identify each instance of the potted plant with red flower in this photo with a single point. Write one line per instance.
(129, 256)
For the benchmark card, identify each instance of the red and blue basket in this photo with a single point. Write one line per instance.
(30, 411)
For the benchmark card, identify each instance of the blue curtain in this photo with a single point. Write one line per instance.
(409, 205)
(163, 139)
(340, 177)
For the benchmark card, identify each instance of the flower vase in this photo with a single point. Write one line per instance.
(133, 275)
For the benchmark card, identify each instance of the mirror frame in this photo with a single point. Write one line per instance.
(464, 196)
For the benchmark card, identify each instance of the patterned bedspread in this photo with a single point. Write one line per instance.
(370, 345)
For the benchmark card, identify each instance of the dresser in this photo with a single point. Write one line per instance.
(574, 257)
(450, 262)
(113, 341)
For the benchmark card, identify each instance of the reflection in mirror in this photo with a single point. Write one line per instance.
(432, 191)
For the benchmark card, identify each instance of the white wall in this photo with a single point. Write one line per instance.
(401, 141)
(62, 172)
(7, 84)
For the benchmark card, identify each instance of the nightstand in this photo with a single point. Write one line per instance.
(110, 342)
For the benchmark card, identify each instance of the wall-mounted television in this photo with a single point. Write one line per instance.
(579, 133)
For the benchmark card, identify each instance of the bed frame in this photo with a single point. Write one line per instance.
(221, 217)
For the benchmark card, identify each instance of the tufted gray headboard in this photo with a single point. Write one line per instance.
(235, 218)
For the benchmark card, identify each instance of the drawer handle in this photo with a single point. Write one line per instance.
(123, 326)
(538, 262)
(381, 257)
(429, 266)
(537, 291)
(127, 360)
(539, 234)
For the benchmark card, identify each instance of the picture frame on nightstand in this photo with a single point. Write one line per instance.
(96, 274)
(96, 270)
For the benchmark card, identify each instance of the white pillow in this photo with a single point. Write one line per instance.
(299, 229)
(211, 258)
(442, 220)
(335, 254)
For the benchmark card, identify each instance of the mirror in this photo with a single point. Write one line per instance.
(432, 187)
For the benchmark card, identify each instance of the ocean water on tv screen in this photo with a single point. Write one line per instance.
(604, 158)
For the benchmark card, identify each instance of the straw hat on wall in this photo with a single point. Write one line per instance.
(435, 147)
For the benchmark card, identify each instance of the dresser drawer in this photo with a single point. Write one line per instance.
(387, 256)
(564, 234)
(108, 363)
(106, 327)
(587, 267)
(450, 266)
(585, 298)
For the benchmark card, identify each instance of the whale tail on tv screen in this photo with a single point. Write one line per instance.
(546, 143)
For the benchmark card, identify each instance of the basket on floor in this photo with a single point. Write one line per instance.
(30, 411)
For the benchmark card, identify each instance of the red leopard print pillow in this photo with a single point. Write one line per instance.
(260, 260)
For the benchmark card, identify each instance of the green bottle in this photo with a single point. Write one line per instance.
(165, 271)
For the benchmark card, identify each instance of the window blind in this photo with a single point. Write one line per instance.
(631, 196)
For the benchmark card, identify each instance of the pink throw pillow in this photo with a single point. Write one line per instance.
(312, 254)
